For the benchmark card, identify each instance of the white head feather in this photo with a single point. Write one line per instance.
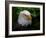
(21, 18)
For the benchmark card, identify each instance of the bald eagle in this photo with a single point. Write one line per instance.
(24, 18)
(24, 21)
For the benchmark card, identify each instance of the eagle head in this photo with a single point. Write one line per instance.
(24, 18)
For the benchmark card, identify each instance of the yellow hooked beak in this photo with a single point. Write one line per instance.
(29, 17)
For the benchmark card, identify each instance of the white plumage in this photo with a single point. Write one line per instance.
(24, 18)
